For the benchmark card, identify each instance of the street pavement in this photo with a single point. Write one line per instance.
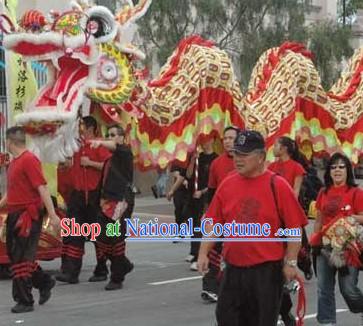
(161, 291)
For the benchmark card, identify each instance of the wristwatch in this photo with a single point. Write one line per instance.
(291, 263)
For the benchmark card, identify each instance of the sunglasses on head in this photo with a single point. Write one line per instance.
(337, 166)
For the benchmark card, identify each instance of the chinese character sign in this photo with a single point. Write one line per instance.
(21, 82)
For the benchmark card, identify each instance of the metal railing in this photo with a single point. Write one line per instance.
(4, 113)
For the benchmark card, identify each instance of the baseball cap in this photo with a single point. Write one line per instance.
(248, 141)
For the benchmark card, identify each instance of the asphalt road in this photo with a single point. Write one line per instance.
(161, 291)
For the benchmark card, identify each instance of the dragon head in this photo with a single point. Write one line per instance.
(88, 53)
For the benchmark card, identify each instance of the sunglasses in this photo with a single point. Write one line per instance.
(111, 135)
(337, 166)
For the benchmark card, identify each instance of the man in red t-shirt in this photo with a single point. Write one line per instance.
(25, 196)
(253, 280)
(83, 203)
(224, 164)
(220, 168)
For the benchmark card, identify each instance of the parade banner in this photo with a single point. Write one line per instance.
(21, 90)
(21, 83)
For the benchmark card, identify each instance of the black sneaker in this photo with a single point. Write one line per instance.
(129, 268)
(20, 308)
(154, 191)
(97, 278)
(209, 296)
(5, 273)
(289, 319)
(113, 286)
(309, 274)
(66, 278)
(44, 294)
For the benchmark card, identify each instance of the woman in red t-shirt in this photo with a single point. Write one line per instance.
(288, 166)
(339, 193)
(289, 163)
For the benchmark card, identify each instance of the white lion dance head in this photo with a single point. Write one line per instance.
(88, 53)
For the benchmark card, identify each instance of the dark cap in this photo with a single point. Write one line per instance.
(248, 141)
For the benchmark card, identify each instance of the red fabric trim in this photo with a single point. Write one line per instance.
(103, 245)
(310, 110)
(74, 255)
(353, 85)
(50, 240)
(71, 247)
(207, 97)
(22, 270)
(347, 135)
(17, 265)
(72, 251)
(26, 48)
(22, 275)
(48, 253)
(174, 62)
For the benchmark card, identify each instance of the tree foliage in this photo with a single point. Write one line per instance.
(244, 29)
(330, 44)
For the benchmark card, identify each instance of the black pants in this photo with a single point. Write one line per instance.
(250, 296)
(73, 246)
(195, 210)
(211, 280)
(113, 248)
(286, 305)
(179, 199)
(26, 273)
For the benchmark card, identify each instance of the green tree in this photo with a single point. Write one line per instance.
(245, 29)
(329, 42)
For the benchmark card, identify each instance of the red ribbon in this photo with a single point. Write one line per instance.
(24, 223)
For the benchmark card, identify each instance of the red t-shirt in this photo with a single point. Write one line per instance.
(330, 204)
(242, 200)
(24, 176)
(289, 169)
(219, 169)
(87, 178)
